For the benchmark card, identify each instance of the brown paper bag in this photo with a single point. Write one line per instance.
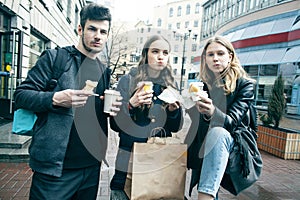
(158, 170)
(127, 187)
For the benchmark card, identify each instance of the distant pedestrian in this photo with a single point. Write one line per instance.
(142, 111)
(216, 118)
(70, 135)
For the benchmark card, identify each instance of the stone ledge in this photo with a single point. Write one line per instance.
(14, 155)
(10, 140)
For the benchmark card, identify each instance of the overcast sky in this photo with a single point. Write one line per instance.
(133, 10)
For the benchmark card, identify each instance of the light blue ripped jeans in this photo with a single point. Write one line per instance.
(217, 146)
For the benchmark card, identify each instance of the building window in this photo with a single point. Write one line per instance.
(288, 69)
(188, 9)
(159, 22)
(178, 25)
(133, 58)
(175, 71)
(141, 40)
(69, 6)
(194, 47)
(37, 46)
(171, 12)
(268, 70)
(192, 59)
(186, 24)
(252, 70)
(193, 75)
(176, 48)
(196, 23)
(76, 20)
(175, 60)
(4, 22)
(169, 26)
(149, 29)
(59, 5)
(142, 30)
(179, 11)
(197, 8)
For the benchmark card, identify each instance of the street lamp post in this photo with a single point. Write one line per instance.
(185, 37)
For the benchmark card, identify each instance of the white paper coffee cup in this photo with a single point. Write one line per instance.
(110, 96)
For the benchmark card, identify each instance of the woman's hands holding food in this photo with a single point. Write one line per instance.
(205, 106)
(141, 97)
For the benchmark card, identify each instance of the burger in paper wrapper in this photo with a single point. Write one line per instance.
(196, 91)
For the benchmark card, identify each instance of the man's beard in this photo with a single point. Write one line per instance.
(88, 49)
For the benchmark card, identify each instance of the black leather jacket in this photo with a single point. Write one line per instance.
(231, 114)
(52, 129)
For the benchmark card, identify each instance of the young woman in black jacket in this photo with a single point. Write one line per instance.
(142, 111)
(216, 118)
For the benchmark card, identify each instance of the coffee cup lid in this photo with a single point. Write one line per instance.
(113, 92)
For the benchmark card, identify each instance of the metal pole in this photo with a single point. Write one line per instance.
(19, 58)
(182, 64)
(257, 85)
(12, 75)
(185, 37)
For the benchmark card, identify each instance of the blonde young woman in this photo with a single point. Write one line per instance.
(216, 118)
(142, 111)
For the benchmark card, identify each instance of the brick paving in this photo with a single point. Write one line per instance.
(15, 180)
(280, 179)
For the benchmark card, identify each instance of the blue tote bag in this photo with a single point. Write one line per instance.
(23, 122)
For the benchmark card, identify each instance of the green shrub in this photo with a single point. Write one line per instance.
(275, 104)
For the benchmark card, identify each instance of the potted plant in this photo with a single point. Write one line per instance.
(278, 141)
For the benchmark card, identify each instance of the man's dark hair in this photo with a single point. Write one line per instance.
(94, 11)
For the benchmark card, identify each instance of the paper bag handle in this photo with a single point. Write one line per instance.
(156, 130)
(152, 139)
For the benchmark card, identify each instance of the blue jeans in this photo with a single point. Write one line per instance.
(217, 146)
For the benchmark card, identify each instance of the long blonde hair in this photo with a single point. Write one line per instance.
(166, 73)
(229, 76)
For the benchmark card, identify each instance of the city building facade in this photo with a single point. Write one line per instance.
(27, 28)
(266, 36)
(182, 20)
(265, 33)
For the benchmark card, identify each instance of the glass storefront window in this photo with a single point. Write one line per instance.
(37, 46)
(4, 22)
(252, 70)
(288, 69)
(268, 70)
